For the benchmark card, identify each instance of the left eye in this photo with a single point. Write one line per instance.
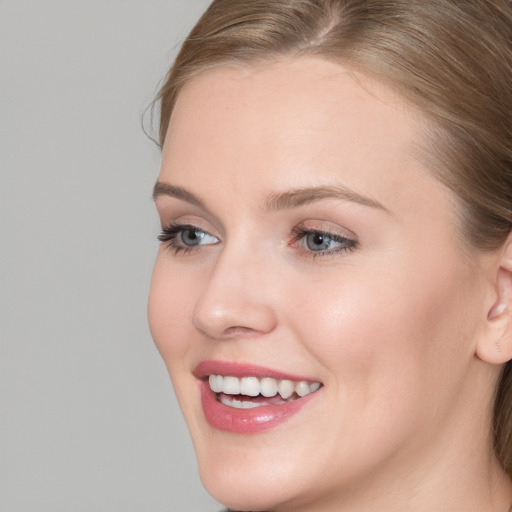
(319, 242)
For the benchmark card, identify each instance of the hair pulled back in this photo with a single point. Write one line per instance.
(450, 58)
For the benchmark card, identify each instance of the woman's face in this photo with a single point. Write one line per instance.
(307, 250)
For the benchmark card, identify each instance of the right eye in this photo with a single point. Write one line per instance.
(186, 237)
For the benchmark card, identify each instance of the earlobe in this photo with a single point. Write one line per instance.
(496, 347)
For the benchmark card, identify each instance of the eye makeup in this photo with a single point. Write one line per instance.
(185, 238)
(309, 242)
(312, 242)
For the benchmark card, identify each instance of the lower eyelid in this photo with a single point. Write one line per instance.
(335, 252)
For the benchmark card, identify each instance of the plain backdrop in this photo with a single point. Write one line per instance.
(88, 419)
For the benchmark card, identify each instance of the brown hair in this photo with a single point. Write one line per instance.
(450, 58)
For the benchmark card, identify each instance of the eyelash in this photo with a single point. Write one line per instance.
(170, 236)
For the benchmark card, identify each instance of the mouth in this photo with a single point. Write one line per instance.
(247, 399)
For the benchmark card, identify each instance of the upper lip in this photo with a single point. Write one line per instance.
(233, 369)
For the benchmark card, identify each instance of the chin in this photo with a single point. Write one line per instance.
(243, 489)
(248, 473)
(264, 472)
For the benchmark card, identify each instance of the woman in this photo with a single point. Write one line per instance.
(333, 292)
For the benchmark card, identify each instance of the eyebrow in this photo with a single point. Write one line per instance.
(279, 200)
(301, 196)
(164, 189)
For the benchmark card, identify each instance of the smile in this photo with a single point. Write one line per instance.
(247, 399)
(251, 392)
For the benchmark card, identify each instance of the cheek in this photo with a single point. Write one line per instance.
(390, 333)
(395, 347)
(169, 310)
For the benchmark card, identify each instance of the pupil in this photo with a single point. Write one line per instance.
(191, 237)
(318, 239)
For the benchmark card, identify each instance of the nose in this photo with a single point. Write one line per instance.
(236, 299)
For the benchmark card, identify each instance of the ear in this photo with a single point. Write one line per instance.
(496, 348)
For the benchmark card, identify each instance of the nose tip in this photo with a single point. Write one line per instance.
(237, 317)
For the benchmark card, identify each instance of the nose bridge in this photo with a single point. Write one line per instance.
(236, 297)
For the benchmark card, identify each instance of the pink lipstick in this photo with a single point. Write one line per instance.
(248, 399)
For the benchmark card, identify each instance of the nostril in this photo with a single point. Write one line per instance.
(239, 331)
(241, 318)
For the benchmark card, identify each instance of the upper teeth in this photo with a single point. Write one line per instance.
(268, 387)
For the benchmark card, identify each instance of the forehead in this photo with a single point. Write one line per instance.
(296, 123)
(308, 88)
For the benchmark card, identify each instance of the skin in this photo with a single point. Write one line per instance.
(392, 327)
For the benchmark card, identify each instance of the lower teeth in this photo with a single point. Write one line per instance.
(230, 401)
(238, 404)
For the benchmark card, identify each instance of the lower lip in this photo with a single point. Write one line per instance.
(247, 421)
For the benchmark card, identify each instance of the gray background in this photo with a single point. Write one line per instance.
(88, 420)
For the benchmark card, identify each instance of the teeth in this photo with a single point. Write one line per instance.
(216, 382)
(286, 388)
(231, 386)
(268, 387)
(238, 404)
(252, 386)
(314, 387)
(302, 388)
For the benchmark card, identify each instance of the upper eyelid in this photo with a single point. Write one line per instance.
(183, 226)
(321, 231)
(329, 234)
(297, 229)
(175, 209)
(341, 232)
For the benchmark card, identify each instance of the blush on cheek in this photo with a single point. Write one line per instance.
(347, 326)
(164, 308)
